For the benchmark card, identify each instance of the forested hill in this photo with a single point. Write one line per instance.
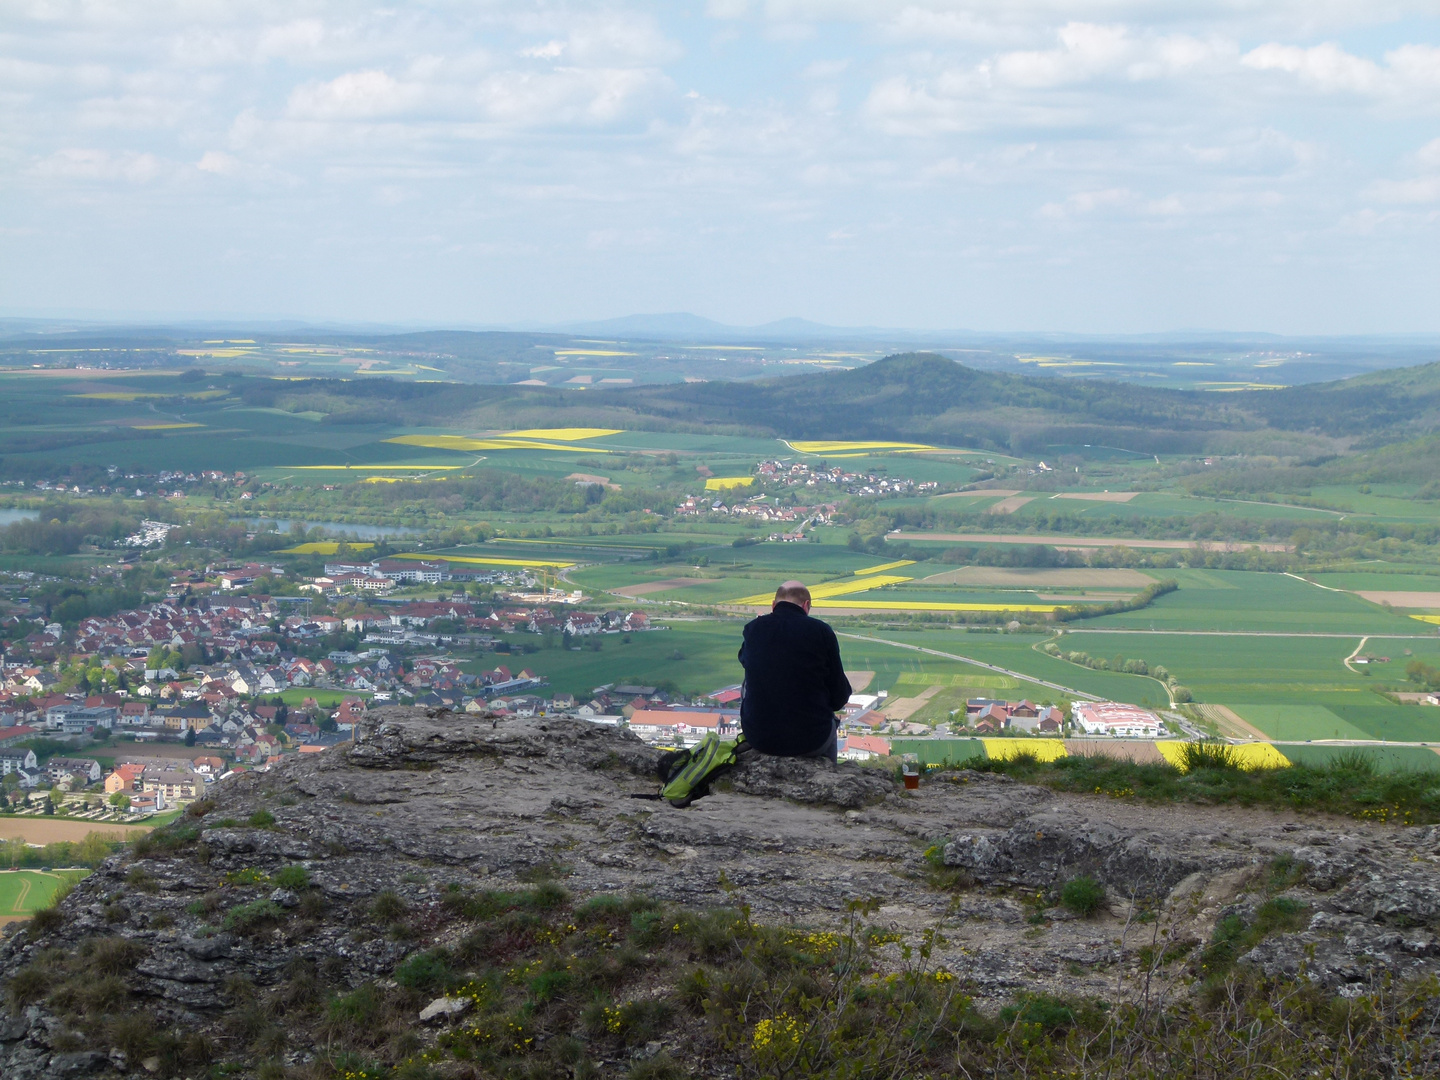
(924, 396)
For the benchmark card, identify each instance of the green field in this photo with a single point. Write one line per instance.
(1386, 758)
(707, 661)
(1015, 652)
(24, 892)
(1299, 722)
(1239, 600)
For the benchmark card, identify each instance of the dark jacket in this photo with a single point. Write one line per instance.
(794, 682)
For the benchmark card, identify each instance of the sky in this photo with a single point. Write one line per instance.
(1097, 166)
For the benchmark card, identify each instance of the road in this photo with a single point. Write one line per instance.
(977, 663)
(1070, 628)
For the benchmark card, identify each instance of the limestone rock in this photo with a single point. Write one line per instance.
(422, 801)
(445, 1008)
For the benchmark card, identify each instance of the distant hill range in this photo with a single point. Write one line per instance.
(928, 398)
(921, 396)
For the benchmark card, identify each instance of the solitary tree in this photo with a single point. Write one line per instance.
(120, 801)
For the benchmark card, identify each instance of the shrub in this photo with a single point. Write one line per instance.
(111, 955)
(388, 906)
(1047, 1011)
(247, 876)
(29, 985)
(246, 918)
(45, 921)
(427, 971)
(293, 876)
(1195, 756)
(262, 819)
(1083, 895)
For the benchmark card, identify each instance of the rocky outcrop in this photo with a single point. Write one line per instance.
(286, 876)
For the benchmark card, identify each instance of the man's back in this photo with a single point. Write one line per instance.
(794, 682)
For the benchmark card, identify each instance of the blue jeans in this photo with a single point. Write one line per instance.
(829, 750)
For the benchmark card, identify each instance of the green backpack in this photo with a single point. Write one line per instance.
(687, 774)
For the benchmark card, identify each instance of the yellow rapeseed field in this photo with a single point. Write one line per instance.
(885, 566)
(477, 561)
(929, 605)
(1042, 749)
(322, 547)
(564, 434)
(833, 588)
(1249, 755)
(722, 483)
(840, 446)
(136, 395)
(465, 443)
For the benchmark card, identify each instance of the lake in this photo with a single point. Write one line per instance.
(10, 517)
(332, 528)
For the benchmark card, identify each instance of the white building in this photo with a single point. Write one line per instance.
(1112, 718)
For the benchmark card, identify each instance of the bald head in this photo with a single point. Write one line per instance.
(794, 592)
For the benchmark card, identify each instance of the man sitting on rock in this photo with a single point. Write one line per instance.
(794, 681)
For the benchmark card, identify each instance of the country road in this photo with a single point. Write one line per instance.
(1247, 633)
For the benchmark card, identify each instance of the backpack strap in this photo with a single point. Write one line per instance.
(708, 761)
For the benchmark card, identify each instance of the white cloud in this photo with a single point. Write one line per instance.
(218, 163)
(554, 128)
(1413, 190)
(1088, 202)
(1420, 189)
(356, 95)
(298, 39)
(551, 50)
(1411, 72)
(99, 166)
(1327, 66)
(1086, 50)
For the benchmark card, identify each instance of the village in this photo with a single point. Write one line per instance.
(134, 714)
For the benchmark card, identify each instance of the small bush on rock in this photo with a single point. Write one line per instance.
(388, 906)
(247, 918)
(1083, 895)
(293, 876)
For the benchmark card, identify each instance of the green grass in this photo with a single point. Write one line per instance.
(1352, 784)
(1385, 758)
(24, 892)
(1015, 652)
(1380, 582)
(1240, 600)
(1299, 722)
(1397, 723)
(921, 680)
(1255, 670)
(708, 661)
